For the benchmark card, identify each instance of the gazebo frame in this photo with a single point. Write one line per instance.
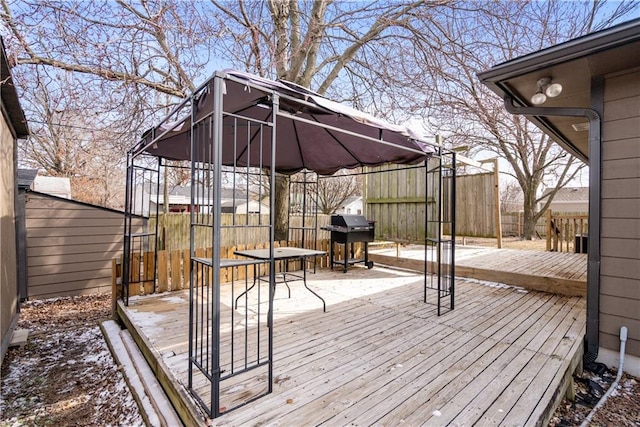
(231, 342)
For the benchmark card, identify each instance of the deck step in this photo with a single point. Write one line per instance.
(19, 338)
(155, 407)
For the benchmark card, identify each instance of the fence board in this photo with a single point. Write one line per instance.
(176, 270)
(186, 268)
(163, 271)
(149, 272)
(565, 230)
(134, 274)
(174, 267)
(396, 196)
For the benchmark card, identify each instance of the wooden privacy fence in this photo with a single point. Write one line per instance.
(174, 268)
(174, 229)
(513, 224)
(567, 232)
(396, 198)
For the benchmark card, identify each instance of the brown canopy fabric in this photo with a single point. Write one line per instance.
(312, 132)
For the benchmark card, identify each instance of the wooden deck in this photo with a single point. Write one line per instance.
(555, 272)
(380, 356)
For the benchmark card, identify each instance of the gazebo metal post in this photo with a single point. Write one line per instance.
(272, 264)
(439, 240)
(218, 89)
(126, 256)
(452, 262)
(426, 230)
(192, 320)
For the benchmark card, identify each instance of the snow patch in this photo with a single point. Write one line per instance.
(151, 322)
(174, 299)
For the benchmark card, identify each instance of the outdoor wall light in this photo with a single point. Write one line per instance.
(546, 88)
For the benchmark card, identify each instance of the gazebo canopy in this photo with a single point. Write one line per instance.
(311, 132)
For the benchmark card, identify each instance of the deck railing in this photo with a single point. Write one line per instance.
(567, 232)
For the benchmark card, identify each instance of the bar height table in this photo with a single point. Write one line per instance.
(285, 254)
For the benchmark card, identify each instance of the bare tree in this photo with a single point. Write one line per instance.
(66, 141)
(311, 44)
(436, 77)
(94, 73)
(335, 190)
(510, 197)
(150, 44)
(161, 47)
(427, 51)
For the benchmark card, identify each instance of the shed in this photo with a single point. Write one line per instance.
(596, 117)
(251, 207)
(70, 245)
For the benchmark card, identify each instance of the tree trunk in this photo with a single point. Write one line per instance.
(281, 207)
(529, 217)
(528, 228)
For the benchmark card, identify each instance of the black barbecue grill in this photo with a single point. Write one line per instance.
(347, 230)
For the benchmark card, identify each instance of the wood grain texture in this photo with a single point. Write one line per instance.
(562, 273)
(382, 356)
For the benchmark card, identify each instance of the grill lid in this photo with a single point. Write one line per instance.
(350, 221)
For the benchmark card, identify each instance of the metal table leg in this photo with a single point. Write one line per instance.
(304, 280)
(255, 278)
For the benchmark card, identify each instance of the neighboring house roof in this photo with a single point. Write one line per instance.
(54, 185)
(26, 178)
(181, 194)
(570, 194)
(352, 199)
(9, 96)
(573, 64)
(252, 207)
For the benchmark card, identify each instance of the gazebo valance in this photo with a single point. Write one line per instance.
(312, 132)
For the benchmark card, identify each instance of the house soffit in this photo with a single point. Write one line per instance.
(574, 69)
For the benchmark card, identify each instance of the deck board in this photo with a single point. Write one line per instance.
(381, 356)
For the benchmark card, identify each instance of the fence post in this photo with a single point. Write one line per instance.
(116, 281)
(548, 229)
(519, 223)
(496, 202)
(148, 273)
(557, 232)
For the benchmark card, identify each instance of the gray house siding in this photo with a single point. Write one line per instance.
(13, 125)
(620, 237)
(8, 270)
(70, 246)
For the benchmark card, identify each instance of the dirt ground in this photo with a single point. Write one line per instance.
(507, 243)
(65, 376)
(621, 409)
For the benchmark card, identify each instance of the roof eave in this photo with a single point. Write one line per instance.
(10, 98)
(583, 46)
